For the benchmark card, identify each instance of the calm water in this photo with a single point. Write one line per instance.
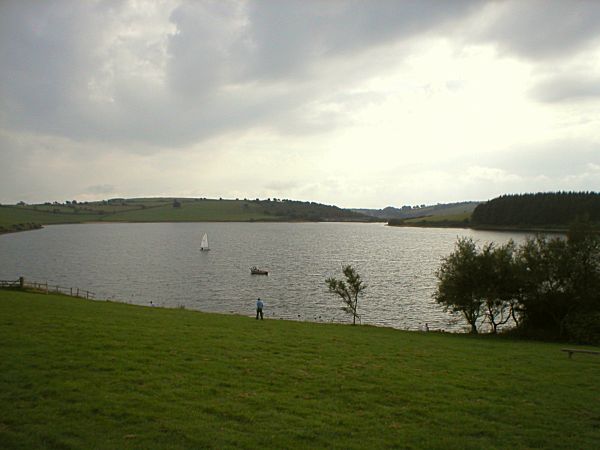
(162, 263)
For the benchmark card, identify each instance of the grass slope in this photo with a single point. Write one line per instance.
(21, 217)
(449, 209)
(191, 211)
(462, 218)
(10, 215)
(85, 374)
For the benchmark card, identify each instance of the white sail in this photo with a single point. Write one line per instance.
(204, 243)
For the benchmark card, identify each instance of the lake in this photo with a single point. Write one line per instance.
(162, 263)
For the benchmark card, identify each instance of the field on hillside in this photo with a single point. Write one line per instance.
(90, 374)
(134, 211)
(454, 218)
(10, 215)
(452, 221)
(18, 217)
(202, 210)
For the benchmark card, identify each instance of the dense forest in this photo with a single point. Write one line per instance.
(554, 209)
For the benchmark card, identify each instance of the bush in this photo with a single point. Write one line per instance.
(584, 328)
(548, 286)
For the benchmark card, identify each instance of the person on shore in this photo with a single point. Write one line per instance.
(259, 309)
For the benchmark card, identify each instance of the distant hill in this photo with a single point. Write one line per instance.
(22, 216)
(412, 212)
(546, 210)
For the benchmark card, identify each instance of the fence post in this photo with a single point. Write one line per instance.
(71, 292)
(46, 286)
(77, 292)
(21, 282)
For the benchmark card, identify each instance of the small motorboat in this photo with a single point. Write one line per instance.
(256, 271)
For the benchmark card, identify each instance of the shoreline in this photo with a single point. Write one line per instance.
(530, 229)
(38, 226)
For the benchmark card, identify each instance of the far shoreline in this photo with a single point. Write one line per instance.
(36, 226)
(531, 229)
(535, 230)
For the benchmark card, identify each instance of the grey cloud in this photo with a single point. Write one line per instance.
(539, 29)
(567, 88)
(43, 49)
(101, 189)
(201, 50)
(229, 65)
(544, 32)
(282, 186)
(552, 160)
(285, 38)
(548, 159)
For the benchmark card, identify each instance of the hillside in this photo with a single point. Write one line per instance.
(22, 216)
(549, 211)
(88, 374)
(411, 212)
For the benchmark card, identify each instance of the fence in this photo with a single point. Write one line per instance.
(45, 287)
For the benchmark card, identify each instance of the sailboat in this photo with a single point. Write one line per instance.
(204, 244)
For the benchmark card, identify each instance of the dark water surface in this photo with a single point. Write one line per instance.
(162, 263)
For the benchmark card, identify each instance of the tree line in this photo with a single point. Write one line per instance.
(541, 209)
(546, 287)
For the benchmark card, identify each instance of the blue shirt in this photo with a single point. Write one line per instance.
(259, 304)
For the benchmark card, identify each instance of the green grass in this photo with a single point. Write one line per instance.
(85, 374)
(10, 215)
(20, 217)
(439, 221)
(191, 211)
(461, 217)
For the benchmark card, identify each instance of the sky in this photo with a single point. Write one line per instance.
(351, 103)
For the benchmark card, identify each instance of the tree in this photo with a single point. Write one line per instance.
(550, 287)
(499, 278)
(348, 290)
(547, 297)
(460, 286)
(563, 284)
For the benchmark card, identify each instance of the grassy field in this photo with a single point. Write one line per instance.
(438, 221)
(454, 218)
(14, 215)
(20, 217)
(191, 211)
(86, 374)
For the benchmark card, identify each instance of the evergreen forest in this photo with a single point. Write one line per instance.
(550, 209)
